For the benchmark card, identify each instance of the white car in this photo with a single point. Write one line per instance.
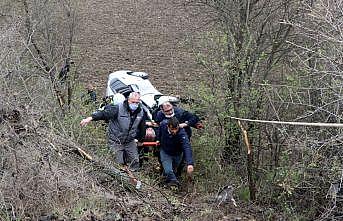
(121, 83)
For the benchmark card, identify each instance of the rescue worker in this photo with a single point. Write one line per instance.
(90, 97)
(126, 127)
(186, 119)
(63, 74)
(91, 92)
(174, 145)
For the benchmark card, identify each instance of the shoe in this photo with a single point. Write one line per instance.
(173, 183)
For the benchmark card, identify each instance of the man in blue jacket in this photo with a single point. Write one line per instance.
(126, 126)
(174, 144)
(186, 119)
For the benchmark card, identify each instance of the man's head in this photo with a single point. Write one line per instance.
(168, 109)
(90, 87)
(134, 100)
(173, 125)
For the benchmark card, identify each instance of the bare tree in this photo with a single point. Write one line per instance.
(279, 61)
(318, 60)
(320, 56)
(49, 30)
(252, 43)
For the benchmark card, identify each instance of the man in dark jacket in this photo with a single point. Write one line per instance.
(126, 126)
(186, 119)
(174, 144)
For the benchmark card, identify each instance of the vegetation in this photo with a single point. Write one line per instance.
(276, 61)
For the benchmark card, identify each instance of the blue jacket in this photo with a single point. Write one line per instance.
(183, 117)
(175, 145)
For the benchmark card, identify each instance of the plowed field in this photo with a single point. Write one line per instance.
(154, 36)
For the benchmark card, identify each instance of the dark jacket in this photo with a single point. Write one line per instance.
(124, 125)
(183, 116)
(175, 145)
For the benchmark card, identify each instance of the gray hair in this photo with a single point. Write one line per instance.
(134, 95)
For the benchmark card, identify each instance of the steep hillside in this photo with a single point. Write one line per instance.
(43, 175)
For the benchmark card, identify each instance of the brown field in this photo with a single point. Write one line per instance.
(154, 36)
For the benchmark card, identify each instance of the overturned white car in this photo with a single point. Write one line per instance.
(121, 83)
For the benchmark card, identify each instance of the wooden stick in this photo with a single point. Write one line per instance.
(245, 137)
(84, 154)
(130, 177)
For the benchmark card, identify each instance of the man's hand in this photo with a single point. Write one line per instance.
(190, 169)
(85, 121)
(199, 125)
(151, 124)
(183, 125)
